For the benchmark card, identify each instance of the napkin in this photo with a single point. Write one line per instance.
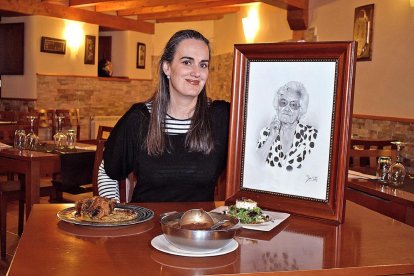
(357, 175)
(277, 218)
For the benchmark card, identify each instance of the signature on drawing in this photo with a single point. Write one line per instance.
(311, 178)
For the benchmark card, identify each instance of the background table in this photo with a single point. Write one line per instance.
(31, 165)
(367, 242)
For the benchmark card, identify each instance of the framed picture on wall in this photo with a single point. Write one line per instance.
(52, 45)
(290, 124)
(90, 44)
(141, 53)
(363, 31)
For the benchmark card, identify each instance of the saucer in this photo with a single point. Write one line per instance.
(161, 244)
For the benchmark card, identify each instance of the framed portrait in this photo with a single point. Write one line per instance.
(290, 126)
(52, 45)
(141, 53)
(363, 31)
(90, 44)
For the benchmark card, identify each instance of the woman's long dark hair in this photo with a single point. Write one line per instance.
(199, 138)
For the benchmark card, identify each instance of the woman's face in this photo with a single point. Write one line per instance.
(189, 69)
(289, 107)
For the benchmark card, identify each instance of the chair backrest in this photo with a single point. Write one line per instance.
(9, 116)
(46, 117)
(103, 132)
(372, 144)
(24, 122)
(98, 160)
(359, 157)
(70, 120)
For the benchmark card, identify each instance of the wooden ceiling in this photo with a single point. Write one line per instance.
(141, 15)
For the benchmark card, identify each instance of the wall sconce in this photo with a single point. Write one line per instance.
(73, 34)
(251, 24)
(412, 3)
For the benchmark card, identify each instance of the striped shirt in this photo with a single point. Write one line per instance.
(108, 187)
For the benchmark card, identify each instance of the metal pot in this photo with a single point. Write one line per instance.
(199, 240)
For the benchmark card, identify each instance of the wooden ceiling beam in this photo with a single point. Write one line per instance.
(129, 5)
(182, 7)
(284, 4)
(33, 7)
(298, 18)
(191, 18)
(188, 13)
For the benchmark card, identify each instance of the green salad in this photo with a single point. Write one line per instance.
(248, 216)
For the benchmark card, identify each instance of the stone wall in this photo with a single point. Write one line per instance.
(95, 96)
(383, 128)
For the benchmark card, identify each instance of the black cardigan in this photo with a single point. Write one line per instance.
(175, 176)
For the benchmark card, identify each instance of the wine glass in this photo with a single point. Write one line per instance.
(60, 138)
(32, 139)
(397, 171)
(19, 139)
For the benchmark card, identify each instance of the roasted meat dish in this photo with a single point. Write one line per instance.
(95, 207)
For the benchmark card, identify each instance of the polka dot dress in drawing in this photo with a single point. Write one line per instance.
(303, 144)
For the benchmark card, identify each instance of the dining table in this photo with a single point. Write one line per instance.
(366, 243)
(365, 189)
(31, 165)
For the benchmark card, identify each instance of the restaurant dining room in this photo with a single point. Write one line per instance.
(206, 137)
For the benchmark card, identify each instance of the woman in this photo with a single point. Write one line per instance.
(175, 143)
(286, 142)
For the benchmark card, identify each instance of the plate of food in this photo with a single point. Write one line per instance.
(248, 213)
(252, 216)
(100, 211)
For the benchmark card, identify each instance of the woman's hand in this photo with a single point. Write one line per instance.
(274, 126)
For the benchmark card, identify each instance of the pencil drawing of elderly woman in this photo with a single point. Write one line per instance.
(287, 141)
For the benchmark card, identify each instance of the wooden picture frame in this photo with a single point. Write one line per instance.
(52, 45)
(363, 31)
(90, 45)
(141, 55)
(315, 187)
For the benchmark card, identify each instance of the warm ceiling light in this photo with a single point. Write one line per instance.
(251, 24)
(412, 3)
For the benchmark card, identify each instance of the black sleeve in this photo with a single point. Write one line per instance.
(124, 142)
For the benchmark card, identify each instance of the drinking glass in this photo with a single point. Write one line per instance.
(71, 138)
(32, 140)
(60, 138)
(19, 139)
(384, 164)
(396, 173)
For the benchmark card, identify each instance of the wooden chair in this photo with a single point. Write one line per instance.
(358, 157)
(103, 132)
(46, 119)
(14, 190)
(372, 144)
(70, 120)
(98, 160)
(9, 116)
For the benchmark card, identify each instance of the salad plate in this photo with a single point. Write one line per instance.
(275, 218)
